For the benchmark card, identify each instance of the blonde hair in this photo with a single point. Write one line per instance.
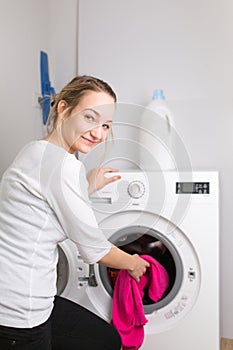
(73, 92)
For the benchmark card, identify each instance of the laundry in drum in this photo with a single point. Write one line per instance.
(144, 245)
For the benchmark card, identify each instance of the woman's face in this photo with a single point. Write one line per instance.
(89, 123)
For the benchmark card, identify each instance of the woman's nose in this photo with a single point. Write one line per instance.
(97, 132)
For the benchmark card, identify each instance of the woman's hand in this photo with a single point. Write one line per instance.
(139, 268)
(119, 259)
(97, 179)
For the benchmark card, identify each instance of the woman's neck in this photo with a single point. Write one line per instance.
(55, 137)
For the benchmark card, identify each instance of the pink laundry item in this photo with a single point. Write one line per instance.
(127, 310)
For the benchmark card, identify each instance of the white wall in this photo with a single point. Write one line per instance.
(26, 27)
(23, 32)
(63, 40)
(185, 48)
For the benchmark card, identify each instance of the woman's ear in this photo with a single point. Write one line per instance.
(61, 106)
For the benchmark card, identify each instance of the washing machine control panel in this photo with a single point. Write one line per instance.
(136, 189)
(131, 191)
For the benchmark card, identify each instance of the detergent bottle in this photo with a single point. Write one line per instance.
(156, 135)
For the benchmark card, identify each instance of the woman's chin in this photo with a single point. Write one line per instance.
(84, 150)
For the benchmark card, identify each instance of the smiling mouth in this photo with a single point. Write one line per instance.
(91, 142)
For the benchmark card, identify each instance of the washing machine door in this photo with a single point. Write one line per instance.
(147, 233)
(143, 240)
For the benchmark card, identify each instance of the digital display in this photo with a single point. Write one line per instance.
(188, 187)
(193, 187)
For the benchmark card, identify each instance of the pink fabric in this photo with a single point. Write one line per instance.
(127, 311)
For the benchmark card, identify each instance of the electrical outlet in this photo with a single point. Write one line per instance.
(226, 344)
(35, 99)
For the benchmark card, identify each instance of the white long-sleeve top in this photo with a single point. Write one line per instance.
(43, 201)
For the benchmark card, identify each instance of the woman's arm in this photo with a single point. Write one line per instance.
(119, 259)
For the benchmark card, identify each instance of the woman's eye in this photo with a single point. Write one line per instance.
(89, 118)
(106, 126)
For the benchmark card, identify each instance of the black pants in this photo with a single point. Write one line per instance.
(70, 327)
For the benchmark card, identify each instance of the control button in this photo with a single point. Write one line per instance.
(136, 189)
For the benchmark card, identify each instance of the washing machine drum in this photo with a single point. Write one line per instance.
(147, 241)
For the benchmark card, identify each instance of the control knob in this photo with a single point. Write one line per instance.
(136, 189)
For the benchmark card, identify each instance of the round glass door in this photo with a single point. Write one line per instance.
(147, 241)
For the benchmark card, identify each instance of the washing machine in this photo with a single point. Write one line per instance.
(174, 217)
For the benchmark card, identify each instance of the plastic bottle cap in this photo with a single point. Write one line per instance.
(158, 95)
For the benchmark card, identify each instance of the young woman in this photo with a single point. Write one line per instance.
(43, 201)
